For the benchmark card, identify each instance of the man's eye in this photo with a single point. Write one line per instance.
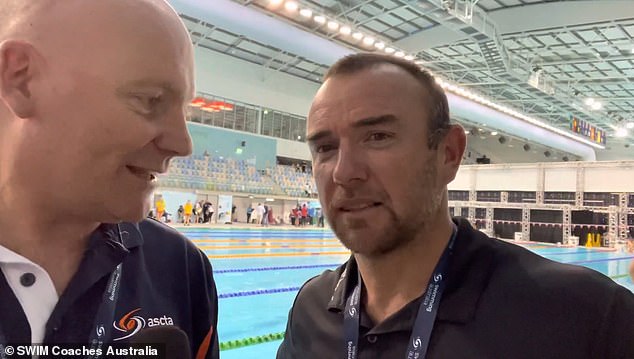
(149, 102)
(324, 148)
(379, 136)
(153, 100)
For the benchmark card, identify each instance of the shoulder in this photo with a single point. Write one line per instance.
(162, 240)
(523, 271)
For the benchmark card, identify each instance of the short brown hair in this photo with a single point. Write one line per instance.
(439, 120)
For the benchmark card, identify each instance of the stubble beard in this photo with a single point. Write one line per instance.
(422, 209)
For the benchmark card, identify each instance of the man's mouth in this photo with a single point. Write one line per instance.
(144, 174)
(357, 207)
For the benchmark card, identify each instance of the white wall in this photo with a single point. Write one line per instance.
(293, 149)
(561, 179)
(616, 176)
(239, 80)
(610, 180)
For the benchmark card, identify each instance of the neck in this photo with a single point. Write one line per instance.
(36, 231)
(394, 279)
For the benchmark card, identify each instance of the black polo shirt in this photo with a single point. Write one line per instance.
(501, 301)
(165, 280)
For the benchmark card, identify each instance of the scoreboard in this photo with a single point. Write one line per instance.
(584, 128)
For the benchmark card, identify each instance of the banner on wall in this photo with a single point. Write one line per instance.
(224, 208)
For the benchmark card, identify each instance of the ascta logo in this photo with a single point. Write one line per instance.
(130, 324)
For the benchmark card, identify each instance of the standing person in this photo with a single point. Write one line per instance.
(198, 213)
(181, 214)
(201, 215)
(270, 216)
(234, 217)
(206, 206)
(96, 89)
(265, 216)
(259, 212)
(292, 215)
(188, 212)
(249, 212)
(320, 218)
(419, 283)
(160, 207)
(304, 214)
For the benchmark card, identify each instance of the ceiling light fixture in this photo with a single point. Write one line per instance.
(291, 6)
(332, 25)
(345, 30)
(368, 40)
(629, 125)
(389, 50)
(320, 19)
(620, 132)
(307, 13)
(357, 36)
(379, 45)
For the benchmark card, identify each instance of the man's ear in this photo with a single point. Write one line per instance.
(17, 69)
(452, 146)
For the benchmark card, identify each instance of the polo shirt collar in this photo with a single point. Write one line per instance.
(128, 234)
(470, 269)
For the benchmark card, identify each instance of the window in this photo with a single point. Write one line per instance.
(267, 123)
(251, 120)
(245, 117)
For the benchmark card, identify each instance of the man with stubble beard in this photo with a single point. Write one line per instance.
(420, 284)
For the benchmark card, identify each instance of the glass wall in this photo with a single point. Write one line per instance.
(244, 117)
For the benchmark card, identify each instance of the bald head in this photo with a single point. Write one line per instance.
(66, 27)
(94, 87)
(25, 19)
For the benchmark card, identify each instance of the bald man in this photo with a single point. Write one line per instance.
(92, 107)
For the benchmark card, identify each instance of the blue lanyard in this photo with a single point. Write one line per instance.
(105, 314)
(425, 319)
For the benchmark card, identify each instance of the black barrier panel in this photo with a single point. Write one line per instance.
(600, 199)
(480, 218)
(481, 213)
(488, 196)
(584, 222)
(559, 197)
(458, 195)
(521, 197)
(546, 226)
(507, 221)
(547, 216)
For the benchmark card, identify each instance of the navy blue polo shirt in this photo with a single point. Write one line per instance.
(165, 280)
